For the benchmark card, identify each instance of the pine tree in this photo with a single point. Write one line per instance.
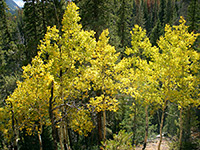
(4, 26)
(37, 16)
(95, 14)
(162, 12)
(31, 20)
(124, 23)
(139, 13)
(193, 16)
(156, 32)
(148, 15)
(169, 12)
(11, 57)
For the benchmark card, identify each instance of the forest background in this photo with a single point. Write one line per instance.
(88, 94)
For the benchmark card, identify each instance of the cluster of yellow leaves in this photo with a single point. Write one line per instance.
(136, 71)
(102, 74)
(81, 122)
(167, 72)
(69, 52)
(29, 101)
(103, 103)
(178, 64)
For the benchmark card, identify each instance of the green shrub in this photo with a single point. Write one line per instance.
(121, 141)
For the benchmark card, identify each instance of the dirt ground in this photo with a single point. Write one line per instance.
(153, 145)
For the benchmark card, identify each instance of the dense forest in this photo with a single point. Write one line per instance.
(100, 74)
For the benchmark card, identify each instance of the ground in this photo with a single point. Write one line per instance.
(153, 144)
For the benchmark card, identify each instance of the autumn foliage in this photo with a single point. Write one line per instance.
(83, 77)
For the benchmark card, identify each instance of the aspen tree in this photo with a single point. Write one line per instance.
(55, 65)
(102, 74)
(179, 68)
(136, 78)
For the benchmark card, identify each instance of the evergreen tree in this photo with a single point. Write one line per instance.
(32, 33)
(37, 16)
(169, 12)
(124, 23)
(193, 16)
(162, 12)
(139, 13)
(95, 14)
(4, 26)
(156, 32)
(11, 56)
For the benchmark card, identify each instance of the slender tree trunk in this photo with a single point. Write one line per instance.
(70, 139)
(65, 137)
(181, 129)
(146, 128)
(15, 141)
(53, 128)
(162, 122)
(61, 136)
(134, 124)
(180, 117)
(40, 140)
(40, 133)
(67, 142)
(99, 127)
(14, 129)
(62, 130)
(188, 125)
(104, 120)
(104, 125)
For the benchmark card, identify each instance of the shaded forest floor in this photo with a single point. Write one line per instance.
(153, 144)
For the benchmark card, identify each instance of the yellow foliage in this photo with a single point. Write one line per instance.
(81, 122)
(155, 77)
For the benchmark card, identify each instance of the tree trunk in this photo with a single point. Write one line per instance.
(65, 137)
(40, 140)
(60, 134)
(161, 124)
(51, 115)
(14, 129)
(104, 121)
(67, 141)
(134, 124)
(146, 128)
(104, 126)
(188, 125)
(70, 139)
(181, 129)
(99, 128)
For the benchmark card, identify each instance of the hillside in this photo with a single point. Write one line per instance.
(12, 6)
